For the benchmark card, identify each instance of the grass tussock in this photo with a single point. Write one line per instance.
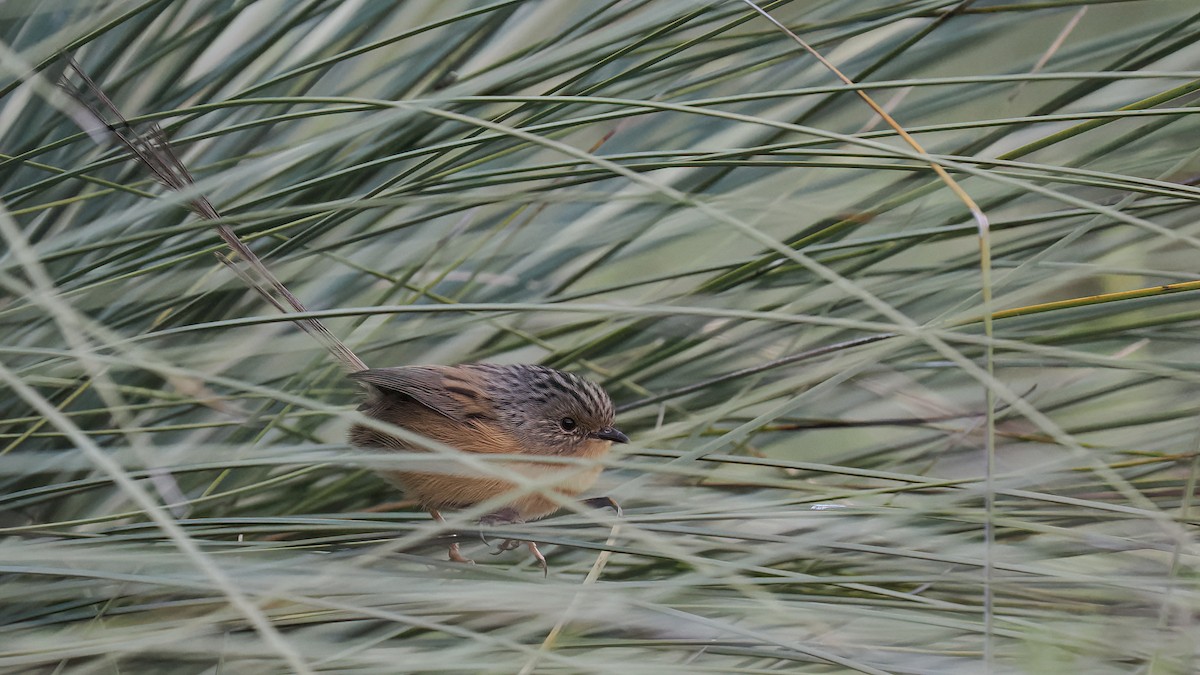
(868, 434)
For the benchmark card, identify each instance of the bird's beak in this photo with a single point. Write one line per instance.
(610, 434)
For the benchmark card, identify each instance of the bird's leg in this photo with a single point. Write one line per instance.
(602, 503)
(455, 554)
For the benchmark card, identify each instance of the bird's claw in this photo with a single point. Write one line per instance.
(541, 559)
(602, 503)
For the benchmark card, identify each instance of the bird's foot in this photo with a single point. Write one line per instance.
(505, 516)
(509, 516)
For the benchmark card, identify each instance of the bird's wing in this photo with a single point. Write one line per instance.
(452, 391)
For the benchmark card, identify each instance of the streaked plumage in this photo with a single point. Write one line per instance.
(490, 409)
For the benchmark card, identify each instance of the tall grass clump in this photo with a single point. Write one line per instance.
(884, 420)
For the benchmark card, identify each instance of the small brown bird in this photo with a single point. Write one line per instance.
(491, 409)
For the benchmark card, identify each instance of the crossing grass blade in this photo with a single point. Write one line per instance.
(837, 464)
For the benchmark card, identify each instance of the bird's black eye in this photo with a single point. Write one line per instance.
(567, 424)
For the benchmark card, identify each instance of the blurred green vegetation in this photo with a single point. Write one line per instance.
(837, 464)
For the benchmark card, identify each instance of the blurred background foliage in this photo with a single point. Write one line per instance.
(838, 464)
